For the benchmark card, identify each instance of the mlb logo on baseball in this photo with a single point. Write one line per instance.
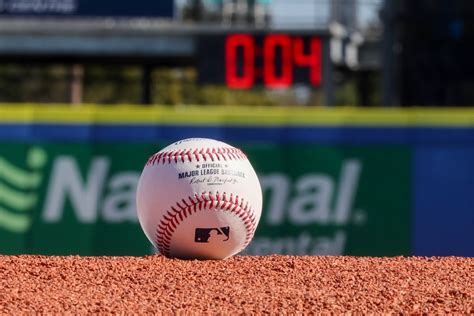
(199, 199)
(211, 234)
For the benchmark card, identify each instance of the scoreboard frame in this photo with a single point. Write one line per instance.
(273, 59)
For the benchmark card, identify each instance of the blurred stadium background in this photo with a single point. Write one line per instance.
(364, 106)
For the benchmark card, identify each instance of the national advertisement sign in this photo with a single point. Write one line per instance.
(60, 198)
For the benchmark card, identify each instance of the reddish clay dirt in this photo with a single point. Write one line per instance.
(256, 285)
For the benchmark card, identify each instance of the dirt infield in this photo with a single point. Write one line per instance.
(272, 284)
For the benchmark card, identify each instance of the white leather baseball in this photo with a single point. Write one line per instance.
(199, 199)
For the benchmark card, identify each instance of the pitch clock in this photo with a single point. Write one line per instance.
(274, 60)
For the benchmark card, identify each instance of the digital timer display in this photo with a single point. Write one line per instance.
(242, 61)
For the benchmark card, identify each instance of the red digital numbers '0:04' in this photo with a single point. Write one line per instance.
(291, 50)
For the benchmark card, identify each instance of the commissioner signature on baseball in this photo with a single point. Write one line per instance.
(214, 180)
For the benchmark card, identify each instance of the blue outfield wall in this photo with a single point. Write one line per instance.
(443, 200)
(441, 143)
(280, 134)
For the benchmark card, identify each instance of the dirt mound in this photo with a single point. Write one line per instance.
(242, 284)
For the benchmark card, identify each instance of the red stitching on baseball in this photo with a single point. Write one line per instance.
(190, 155)
(172, 218)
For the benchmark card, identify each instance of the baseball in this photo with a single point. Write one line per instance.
(199, 199)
